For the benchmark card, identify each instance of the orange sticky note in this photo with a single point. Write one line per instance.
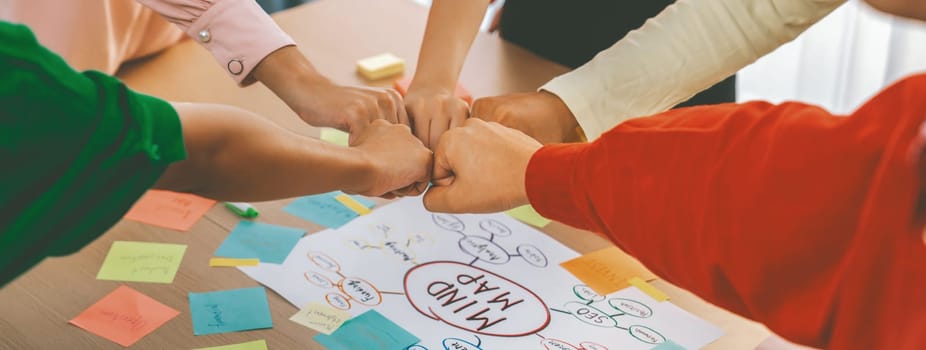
(401, 86)
(607, 270)
(176, 211)
(124, 316)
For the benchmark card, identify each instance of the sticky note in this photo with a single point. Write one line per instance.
(228, 262)
(324, 209)
(124, 316)
(380, 66)
(401, 86)
(176, 211)
(142, 262)
(334, 136)
(526, 213)
(369, 331)
(320, 317)
(649, 289)
(352, 204)
(607, 270)
(254, 240)
(230, 311)
(251, 345)
(668, 345)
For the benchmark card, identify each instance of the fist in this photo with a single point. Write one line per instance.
(540, 115)
(395, 159)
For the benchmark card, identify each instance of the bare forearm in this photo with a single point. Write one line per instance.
(236, 155)
(452, 26)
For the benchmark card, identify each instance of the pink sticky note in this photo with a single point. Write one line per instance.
(176, 211)
(124, 316)
(401, 86)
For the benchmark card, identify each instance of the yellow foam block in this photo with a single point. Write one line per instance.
(380, 66)
(228, 262)
(353, 204)
(649, 289)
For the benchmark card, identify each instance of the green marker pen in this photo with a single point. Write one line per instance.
(242, 209)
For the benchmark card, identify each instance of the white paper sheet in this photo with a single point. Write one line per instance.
(471, 282)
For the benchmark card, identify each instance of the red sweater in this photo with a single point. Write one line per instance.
(785, 214)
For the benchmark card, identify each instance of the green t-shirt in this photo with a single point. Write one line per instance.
(77, 149)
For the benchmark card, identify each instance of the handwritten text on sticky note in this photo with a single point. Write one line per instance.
(176, 211)
(607, 270)
(230, 311)
(323, 209)
(369, 330)
(142, 262)
(266, 242)
(320, 317)
(124, 316)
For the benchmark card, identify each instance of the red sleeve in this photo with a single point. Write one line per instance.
(754, 207)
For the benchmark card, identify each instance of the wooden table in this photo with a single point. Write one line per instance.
(34, 309)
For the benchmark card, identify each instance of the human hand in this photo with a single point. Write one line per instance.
(541, 115)
(320, 102)
(398, 164)
(480, 168)
(433, 111)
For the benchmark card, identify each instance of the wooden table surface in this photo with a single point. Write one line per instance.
(35, 308)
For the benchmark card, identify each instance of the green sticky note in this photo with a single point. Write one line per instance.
(335, 136)
(370, 331)
(668, 345)
(251, 345)
(527, 214)
(142, 262)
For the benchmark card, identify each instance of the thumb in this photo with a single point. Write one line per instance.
(440, 198)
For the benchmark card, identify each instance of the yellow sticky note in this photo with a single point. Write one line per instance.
(607, 270)
(228, 262)
(526, 213)
(353, 204)
(251, 345)
(142, 262)
(380, 66)
(321, 317)
(334, 136)
(649, 289)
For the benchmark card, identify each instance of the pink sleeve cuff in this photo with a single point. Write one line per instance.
(238, 33)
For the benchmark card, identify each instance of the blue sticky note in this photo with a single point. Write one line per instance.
(323, 209)
(369, 331)
(268, 243)
(230, 311)
(668, 345)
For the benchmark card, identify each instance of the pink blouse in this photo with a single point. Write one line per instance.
(102, 34)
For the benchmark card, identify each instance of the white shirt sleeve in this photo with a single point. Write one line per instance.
(688, 47)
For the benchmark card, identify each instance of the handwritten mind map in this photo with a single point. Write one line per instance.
(471, 282)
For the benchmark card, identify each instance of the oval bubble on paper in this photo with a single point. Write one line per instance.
(646, 334)
(446, 291)
(587, 345)
(556, 344)
(448, 222)
(318, 279)
(459, 344)
(532, 255)
(495, 228)
(338, 301)
(324, 261)
(416, 347)
(362, 291)
(586, 293)
(590, 315)
(631, 307)
(484, 249)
